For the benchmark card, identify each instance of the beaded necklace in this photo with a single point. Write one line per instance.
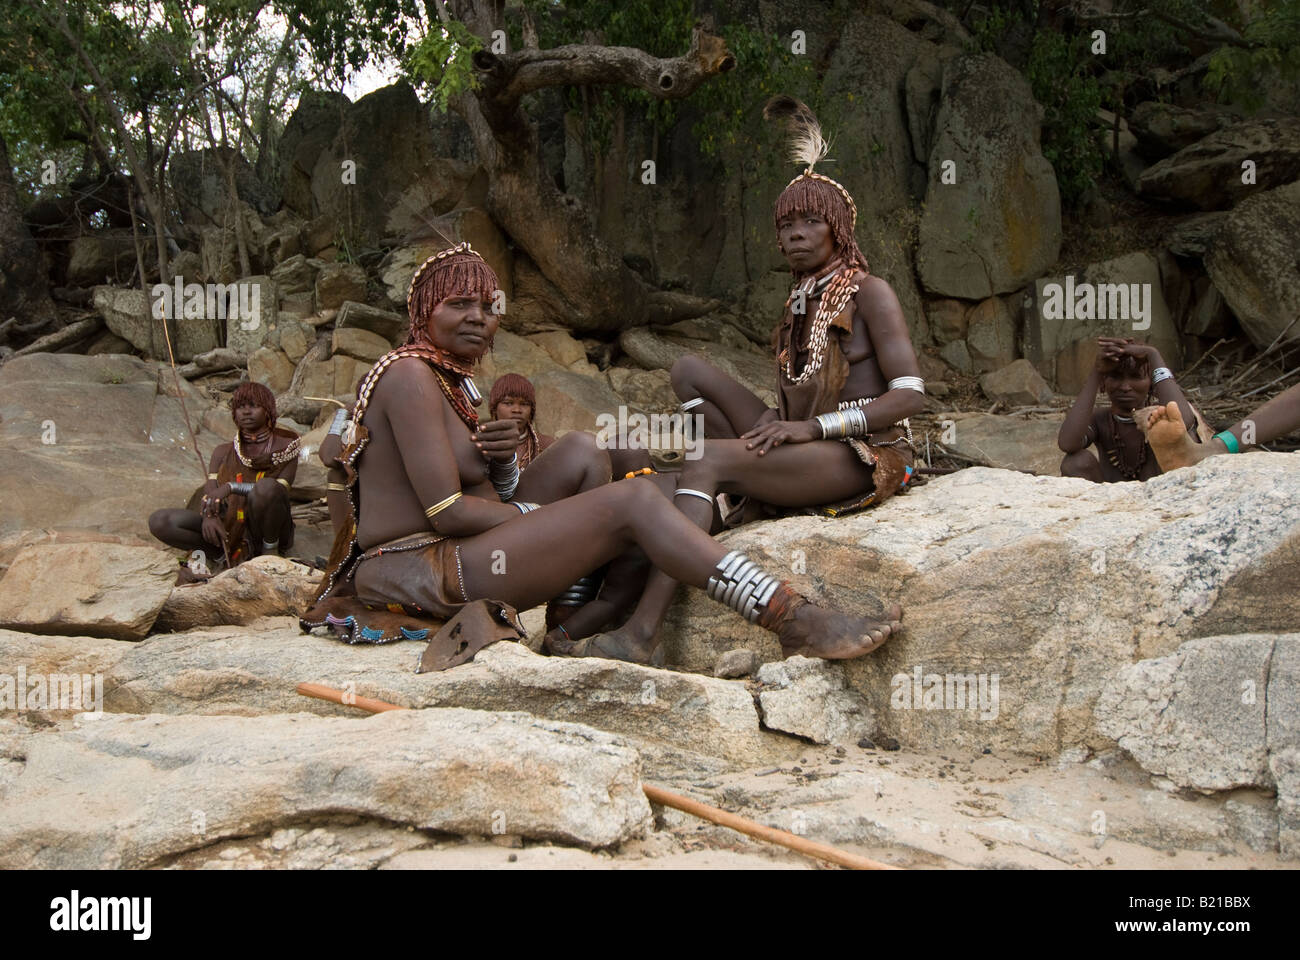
(530, 446)
(835, 297)
(441, 358)
(1117, 458)
(278, 457)
(437, 359)
(459, 402)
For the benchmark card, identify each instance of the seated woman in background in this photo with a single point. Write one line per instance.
(243, 509)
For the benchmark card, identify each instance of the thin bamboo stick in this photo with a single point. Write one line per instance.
(752, 828)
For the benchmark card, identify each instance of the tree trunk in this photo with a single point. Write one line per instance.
(24, 293)
(555, 229)
(267, 147)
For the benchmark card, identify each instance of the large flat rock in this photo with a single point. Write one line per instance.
(1046, 586)
(45, 681)
(95, 442)
(1199, 716)
(44, 654)
(679, 721)
(91, 589)
(1218, 713)
(135, 791)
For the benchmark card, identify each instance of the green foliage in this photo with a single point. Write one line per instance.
(1071, 82)
(660, 29)
(150, 58)
(987, 30)
(441, 60)
(1237, 75)
(1071, 98)
(139, 52)
(1059, 69)
(344, 35)
(764, 67)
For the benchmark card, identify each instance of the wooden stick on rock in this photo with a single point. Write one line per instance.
(752, 828)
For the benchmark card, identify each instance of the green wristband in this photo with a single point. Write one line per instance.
(1229, 441)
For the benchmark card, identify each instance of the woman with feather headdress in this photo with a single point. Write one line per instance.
(847, 380)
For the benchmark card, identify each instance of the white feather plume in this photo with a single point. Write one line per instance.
(807, 145)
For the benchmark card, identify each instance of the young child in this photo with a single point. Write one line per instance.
(1130, 373)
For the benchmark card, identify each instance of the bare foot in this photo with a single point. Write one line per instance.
(818, 632)
(621, 644)
(1167, 434)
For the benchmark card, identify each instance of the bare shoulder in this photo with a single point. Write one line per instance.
(875, 293)
(879, 308)
(405, 377)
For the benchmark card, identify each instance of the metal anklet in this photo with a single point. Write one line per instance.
(581, 593)
(742, 585)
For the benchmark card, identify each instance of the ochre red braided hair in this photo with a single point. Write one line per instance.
(258, 395)
(814, 193)
(455, 272)
(809, 194)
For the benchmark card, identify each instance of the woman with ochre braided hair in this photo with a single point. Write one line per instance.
(243, 509)
(442, 519)
(847, 380)
(514, 398)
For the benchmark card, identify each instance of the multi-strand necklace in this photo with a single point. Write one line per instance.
(836, 288)
(458, 400)
(278, 457)
(1118, 459)
(442, 363)
(530, 446)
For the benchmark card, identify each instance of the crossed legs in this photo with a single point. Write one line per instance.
(544, 551)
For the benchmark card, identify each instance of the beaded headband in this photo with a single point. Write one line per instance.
(807, 144)
(853, 207)
(463, 247)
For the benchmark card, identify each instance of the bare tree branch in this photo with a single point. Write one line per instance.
(1221, 32)
(508, 77)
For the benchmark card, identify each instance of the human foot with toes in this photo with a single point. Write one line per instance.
(814, 631)
(1167, 434)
